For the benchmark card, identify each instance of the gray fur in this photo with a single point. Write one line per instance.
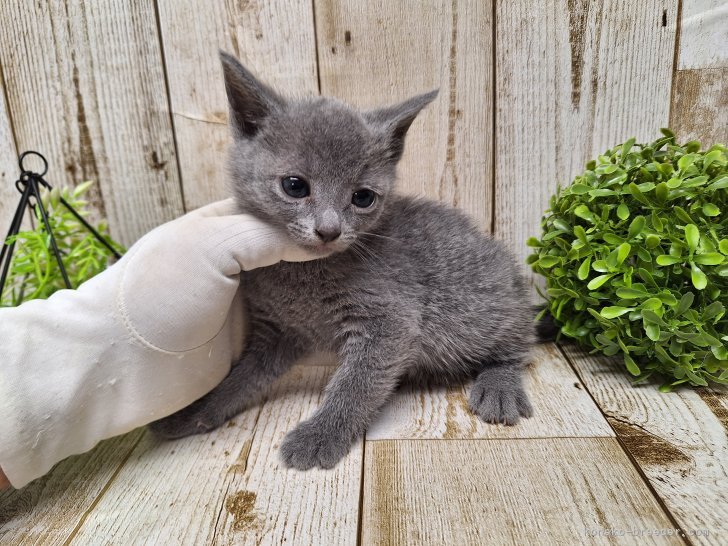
(410, 289)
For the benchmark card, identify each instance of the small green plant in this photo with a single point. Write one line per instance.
(635, 256)
(34, 271)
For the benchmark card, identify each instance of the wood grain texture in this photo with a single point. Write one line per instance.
(171, 492)
(699, 109)
(572, 79)
(49, 509)
(562, 408)
(547, 492)
(275, 39)
(700, 105)
(377, 53)
(228, 487)
(8, 167)
(703, 34)
(276, 505)
(86, 88)
(680, 440)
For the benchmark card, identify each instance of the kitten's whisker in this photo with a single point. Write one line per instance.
(377, 235)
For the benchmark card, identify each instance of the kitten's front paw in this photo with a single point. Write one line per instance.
(310, 444)
(186, 422)
(494, 404)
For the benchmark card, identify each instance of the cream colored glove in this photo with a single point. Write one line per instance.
(143, 339)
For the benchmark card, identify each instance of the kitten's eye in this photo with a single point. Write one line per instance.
(295, 187)
(363, 198)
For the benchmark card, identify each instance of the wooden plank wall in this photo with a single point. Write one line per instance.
(130, 93)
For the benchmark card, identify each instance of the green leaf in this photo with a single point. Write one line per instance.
(709, 258)
(596, 282)
(692, 236)
(636, 226)
(631, 293)
(548, 261)
(623, 212)
(674, 183)
(533, 242)
(614, 311)
(632, 367)
(583, 272)
(651, 241)
(665, 259)
(623, 252)
(709, 209)
(560, 224)
(723, 246)
(581, 234)
(653, 331)
(700, 281)
(685, 302)
(582, 211)
(652, 304)
(719, 184)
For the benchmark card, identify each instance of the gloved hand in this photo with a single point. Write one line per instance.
(143, 339)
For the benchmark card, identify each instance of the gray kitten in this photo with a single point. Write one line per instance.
(404, 288)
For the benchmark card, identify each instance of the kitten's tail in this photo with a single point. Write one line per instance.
(546, 327)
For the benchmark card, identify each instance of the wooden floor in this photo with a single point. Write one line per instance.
(601, 462)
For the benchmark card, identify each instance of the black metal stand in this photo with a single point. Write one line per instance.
(29, 185)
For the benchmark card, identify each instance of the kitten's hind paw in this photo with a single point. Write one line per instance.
(310, 445)
(494, 404)
(186, 422)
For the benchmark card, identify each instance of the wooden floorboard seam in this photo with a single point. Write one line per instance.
(629, 455)
(103, 491)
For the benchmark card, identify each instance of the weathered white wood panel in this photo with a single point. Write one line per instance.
(9, 169)
(679, 440)
(549, 491)
(50, 509)
(562, 407)
(703, 34)
(700, 87)
(275, 39)
(377, 53)
(700, 105)
(85, 87)
(274, 505)
(170, 492)
(572, 79)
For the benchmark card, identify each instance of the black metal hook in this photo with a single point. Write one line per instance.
(28, 184)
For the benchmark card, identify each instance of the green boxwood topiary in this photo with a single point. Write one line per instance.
(635, 255)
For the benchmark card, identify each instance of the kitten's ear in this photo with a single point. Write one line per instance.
(250, 100)
(393, 122)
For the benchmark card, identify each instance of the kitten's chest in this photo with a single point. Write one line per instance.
(301, 298)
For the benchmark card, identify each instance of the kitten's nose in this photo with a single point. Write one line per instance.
(328, 234)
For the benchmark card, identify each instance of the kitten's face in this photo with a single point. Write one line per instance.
(316, 168)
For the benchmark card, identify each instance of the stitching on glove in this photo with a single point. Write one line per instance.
(130, 326)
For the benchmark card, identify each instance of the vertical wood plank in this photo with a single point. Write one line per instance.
(275, 39)
(573, 78)
(86, 88)
(703, 34)
(170, 493)
(48, 510)
(270, 504)
(549, 491)
(377, 53)
(700, 88)
(679, 440)
(8, 167)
